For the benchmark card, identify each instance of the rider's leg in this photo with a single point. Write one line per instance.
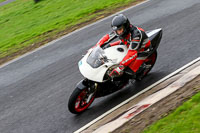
(135, 65)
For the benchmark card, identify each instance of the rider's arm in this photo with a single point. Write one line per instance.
(139, 42)
(115, 43)
(144, 41)
(130, 56)
(133, 48)
(106, 39)
(103, 40)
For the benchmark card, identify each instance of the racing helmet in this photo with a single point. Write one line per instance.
(120, 22)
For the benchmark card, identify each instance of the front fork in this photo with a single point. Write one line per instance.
(92, 90)
(91, 86)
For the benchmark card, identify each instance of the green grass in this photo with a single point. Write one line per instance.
(185, 119)
(2, 1)
(22, 22)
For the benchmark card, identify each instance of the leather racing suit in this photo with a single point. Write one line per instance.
(136, 41)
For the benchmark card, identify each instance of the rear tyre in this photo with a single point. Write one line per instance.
(80, 100)
(149, 63)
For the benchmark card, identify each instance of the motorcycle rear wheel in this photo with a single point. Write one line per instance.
(78, 101)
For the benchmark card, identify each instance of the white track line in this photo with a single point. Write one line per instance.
(146, 89)
(148, 102)
(54, 41)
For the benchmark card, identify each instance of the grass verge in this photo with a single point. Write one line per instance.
(185, 119)
(2, 1)
(26, 25)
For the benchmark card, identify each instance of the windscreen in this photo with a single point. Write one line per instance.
(96, 58)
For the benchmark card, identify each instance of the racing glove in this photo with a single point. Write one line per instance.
(117, 71)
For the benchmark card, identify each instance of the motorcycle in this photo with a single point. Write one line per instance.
(99, 62)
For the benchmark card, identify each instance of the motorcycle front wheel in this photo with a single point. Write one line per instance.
(80, 100)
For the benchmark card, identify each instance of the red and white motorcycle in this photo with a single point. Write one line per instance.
(96, 66)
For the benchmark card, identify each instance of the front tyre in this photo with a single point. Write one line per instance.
(80, 100)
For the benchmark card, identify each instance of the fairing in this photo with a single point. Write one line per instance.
(97, 72)
(96, 67)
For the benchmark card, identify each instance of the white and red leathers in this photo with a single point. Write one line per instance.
(136, 41)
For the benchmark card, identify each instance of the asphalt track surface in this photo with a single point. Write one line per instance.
(6, 2)
(35, 89)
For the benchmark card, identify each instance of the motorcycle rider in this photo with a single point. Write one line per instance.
(133, 37)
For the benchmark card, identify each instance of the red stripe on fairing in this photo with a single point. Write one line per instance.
(148, 44)
(138, 110)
